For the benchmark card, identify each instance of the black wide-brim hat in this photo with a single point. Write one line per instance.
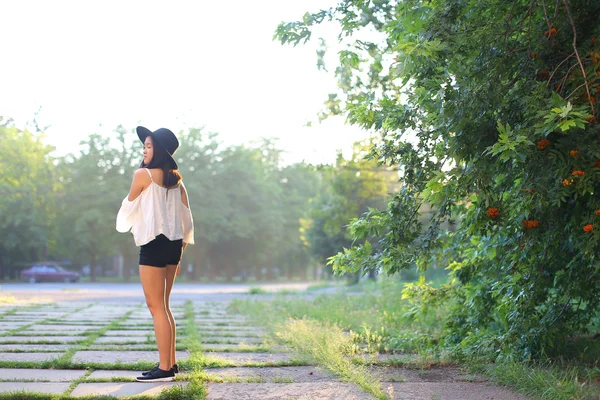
(165, 138)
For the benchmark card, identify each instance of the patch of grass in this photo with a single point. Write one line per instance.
(195, 389)
(379, 319)
(107, 380)
(233, 379)
(242, 348)
(282, 379)
(256, 290)
(7, 299)
(208, 361)
(287, 292)
(77, 382)
(330, 347)
(545, 380)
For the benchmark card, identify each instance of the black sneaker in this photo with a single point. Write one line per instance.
(157, 375)
(147, 372)
(174, 368)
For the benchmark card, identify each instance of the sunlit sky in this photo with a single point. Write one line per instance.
(92, 65)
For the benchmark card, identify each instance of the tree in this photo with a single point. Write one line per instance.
(490, 110)
(94, 185)
(351, 188)
(27, 190)
(299, 184)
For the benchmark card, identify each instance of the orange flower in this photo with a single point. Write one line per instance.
(597, 89)
(530, 191)
(550, 33)
(533, 55)
(588, 228)
(597, 164)
(521, 245)
(493, 212)
(542, 144)
(566, 182)
(578, 173)
(574, 153)
(528, 223)
(591, 119)
(598, 213)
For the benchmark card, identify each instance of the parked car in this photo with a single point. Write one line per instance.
(48, 273)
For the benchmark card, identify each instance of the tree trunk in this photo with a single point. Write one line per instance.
(93, 268)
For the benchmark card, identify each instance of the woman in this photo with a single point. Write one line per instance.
(158, 214)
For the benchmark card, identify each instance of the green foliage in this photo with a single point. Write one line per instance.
(27, 180)
(389, 316)
(350, 188)
(489, 109)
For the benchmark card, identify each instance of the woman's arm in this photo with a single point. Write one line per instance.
(140, 181)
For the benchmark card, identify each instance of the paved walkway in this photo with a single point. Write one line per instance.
(105, 345)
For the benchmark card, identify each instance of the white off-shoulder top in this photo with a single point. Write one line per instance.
(156, 210)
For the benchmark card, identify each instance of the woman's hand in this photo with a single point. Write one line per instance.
(178, 270)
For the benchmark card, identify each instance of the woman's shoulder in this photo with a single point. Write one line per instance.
(142, 173)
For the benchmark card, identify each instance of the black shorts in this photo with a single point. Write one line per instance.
(161, 252)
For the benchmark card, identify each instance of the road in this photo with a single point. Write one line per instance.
(115, 292)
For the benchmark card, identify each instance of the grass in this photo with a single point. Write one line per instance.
(332, 348)
(545, 380)
(374, 317)
(256, 290)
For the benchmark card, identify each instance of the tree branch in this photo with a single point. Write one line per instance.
(587, 87)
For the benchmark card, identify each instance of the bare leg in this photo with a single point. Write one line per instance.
(171, 269)
(154, 281)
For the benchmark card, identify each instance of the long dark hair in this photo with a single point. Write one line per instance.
(160, 159)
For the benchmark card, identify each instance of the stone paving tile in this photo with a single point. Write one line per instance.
(50, 388)
(275, 374)
(36, 357)
(230, 340)
(40, 312)
(278, 391)
(32, 332)
(123, 389)
(238, 347)
(128, 322)
(46, 375)
(12, 318)
(123, 347)
(94, 356)
(94, 324)
(206, 333)
(243, 358)
(117, 373)
(53, 327)
(122, 339)
(228, 327)
(58, 339)
(449, 391)
(136, 332)
(34, 347)
(11, 325)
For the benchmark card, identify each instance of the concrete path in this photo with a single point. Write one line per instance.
(109, 343)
